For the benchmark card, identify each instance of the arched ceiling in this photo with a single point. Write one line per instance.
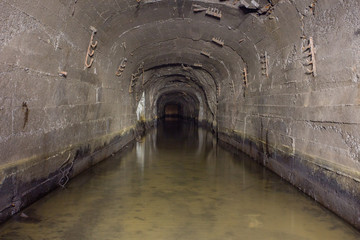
(205, 45)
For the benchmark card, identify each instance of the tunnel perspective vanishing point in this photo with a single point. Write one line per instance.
(278, 80)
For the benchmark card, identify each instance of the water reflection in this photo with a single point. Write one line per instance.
(140, 155)
(177, 184)
(173, 134)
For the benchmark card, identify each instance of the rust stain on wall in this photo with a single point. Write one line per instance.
(26, 113)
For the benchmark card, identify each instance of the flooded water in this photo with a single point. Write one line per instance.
(177, 184)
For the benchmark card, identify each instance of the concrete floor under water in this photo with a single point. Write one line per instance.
(177, 184)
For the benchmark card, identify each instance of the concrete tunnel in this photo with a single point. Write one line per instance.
(278, 80)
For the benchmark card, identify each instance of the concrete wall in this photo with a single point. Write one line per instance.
(48, 119)
(303, 126)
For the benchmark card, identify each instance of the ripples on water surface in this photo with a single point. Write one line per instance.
(177, 184)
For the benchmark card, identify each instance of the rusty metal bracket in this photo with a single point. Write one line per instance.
(265, 64)
(213, 12)
(121, 67)
(218, 41)
(136, 76)
(91, 48)
(310, 50)
(245, 77)
(197, 8)
(207, 54)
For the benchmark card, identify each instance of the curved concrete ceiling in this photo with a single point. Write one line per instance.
(214, 50)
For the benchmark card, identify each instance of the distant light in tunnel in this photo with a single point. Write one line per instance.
(172, 109)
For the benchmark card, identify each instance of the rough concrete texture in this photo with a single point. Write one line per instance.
(243, 67)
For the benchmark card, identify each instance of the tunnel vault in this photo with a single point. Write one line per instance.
(278, 80)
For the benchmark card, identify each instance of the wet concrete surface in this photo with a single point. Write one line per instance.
(177, 183)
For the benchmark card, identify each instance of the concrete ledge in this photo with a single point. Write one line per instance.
(338, 192)
(28, 180)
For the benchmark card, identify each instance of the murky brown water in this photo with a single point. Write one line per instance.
(177, 184)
